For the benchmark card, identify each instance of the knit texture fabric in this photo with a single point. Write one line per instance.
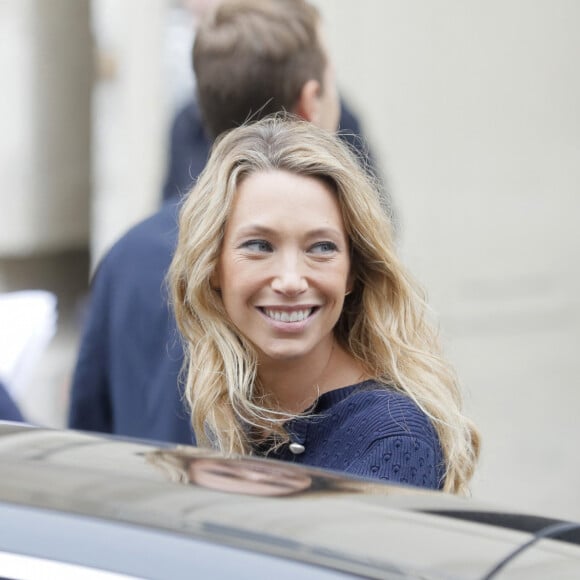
(368, 430)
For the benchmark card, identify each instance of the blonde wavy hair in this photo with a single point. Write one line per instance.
(384, 322)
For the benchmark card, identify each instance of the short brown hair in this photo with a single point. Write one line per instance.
(252, 58)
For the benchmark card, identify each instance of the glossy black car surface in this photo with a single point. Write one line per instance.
(77, 505)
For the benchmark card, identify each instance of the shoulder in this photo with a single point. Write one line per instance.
(348, 120)
(375, 411)
(188, 124)
(188, 114)
(372, 430)
(159, 228)
(393, 438)
(151, 239)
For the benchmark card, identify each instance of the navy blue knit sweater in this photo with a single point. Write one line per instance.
(368, 430)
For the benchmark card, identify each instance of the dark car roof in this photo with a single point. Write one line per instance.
(347, 524)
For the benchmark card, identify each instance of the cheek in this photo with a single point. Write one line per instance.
(338, 284)
(239, 281)
(228, 271)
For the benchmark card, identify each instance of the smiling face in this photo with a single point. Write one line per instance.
(284, 264)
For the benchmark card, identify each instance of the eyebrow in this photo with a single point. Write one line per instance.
(258, 229)
(253, 229)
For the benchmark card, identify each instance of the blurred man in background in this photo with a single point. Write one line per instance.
(251, 58)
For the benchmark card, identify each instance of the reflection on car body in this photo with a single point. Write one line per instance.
(244, 475)
(124, 508)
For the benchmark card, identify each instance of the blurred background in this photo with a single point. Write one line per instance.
(472, 111)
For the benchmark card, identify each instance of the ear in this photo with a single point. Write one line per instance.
(308, 105)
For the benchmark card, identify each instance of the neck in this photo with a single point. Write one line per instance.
(296, 384)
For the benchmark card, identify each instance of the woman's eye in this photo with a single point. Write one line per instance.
(257, 246)
(323, 248)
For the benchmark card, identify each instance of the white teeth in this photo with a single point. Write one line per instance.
(284, 316)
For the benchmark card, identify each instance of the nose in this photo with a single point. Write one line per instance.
(289, 278)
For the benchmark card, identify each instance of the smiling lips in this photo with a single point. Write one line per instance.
(297, 315)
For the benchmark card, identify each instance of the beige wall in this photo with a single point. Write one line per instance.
(473, 110)
(46, 64)
(473, 107)
(82, 147)
(129, 117)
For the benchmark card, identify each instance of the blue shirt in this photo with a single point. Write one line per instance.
(368, 430)
(126, 379)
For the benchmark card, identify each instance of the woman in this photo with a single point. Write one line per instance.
(306, 338)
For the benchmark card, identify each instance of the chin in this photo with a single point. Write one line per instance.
(283, 353)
